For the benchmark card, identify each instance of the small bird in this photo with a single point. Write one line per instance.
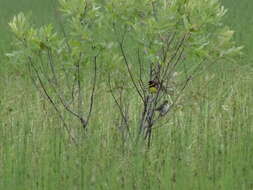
(163, 108)
(153, 86)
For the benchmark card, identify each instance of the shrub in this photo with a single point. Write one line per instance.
(155, 48)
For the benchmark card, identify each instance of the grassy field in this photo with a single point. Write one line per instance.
(208, 144)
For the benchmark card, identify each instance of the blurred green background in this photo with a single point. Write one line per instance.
(209, 144)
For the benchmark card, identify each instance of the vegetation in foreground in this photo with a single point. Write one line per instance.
(207, 144)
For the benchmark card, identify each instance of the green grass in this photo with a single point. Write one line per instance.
(240, 19)
(208, 144)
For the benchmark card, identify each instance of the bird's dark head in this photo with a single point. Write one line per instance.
(151, 82)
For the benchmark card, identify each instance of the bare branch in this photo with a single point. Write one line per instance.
(179, 45)
(141, 84)
(129, 70)
(55, 87)
(79, 84)
(118, 105)
(50, 99)
(93, 89)
(140, 68)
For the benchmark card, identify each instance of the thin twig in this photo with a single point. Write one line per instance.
(141, 84)
(118, 105)
(129, 70)
(140, 68)
(93, 89)
(79, 104)
(51, 100)
(179, 45)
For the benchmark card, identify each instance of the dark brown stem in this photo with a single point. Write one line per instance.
(129, 70)
(93, 89)
(50, 99)
(79, 85)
